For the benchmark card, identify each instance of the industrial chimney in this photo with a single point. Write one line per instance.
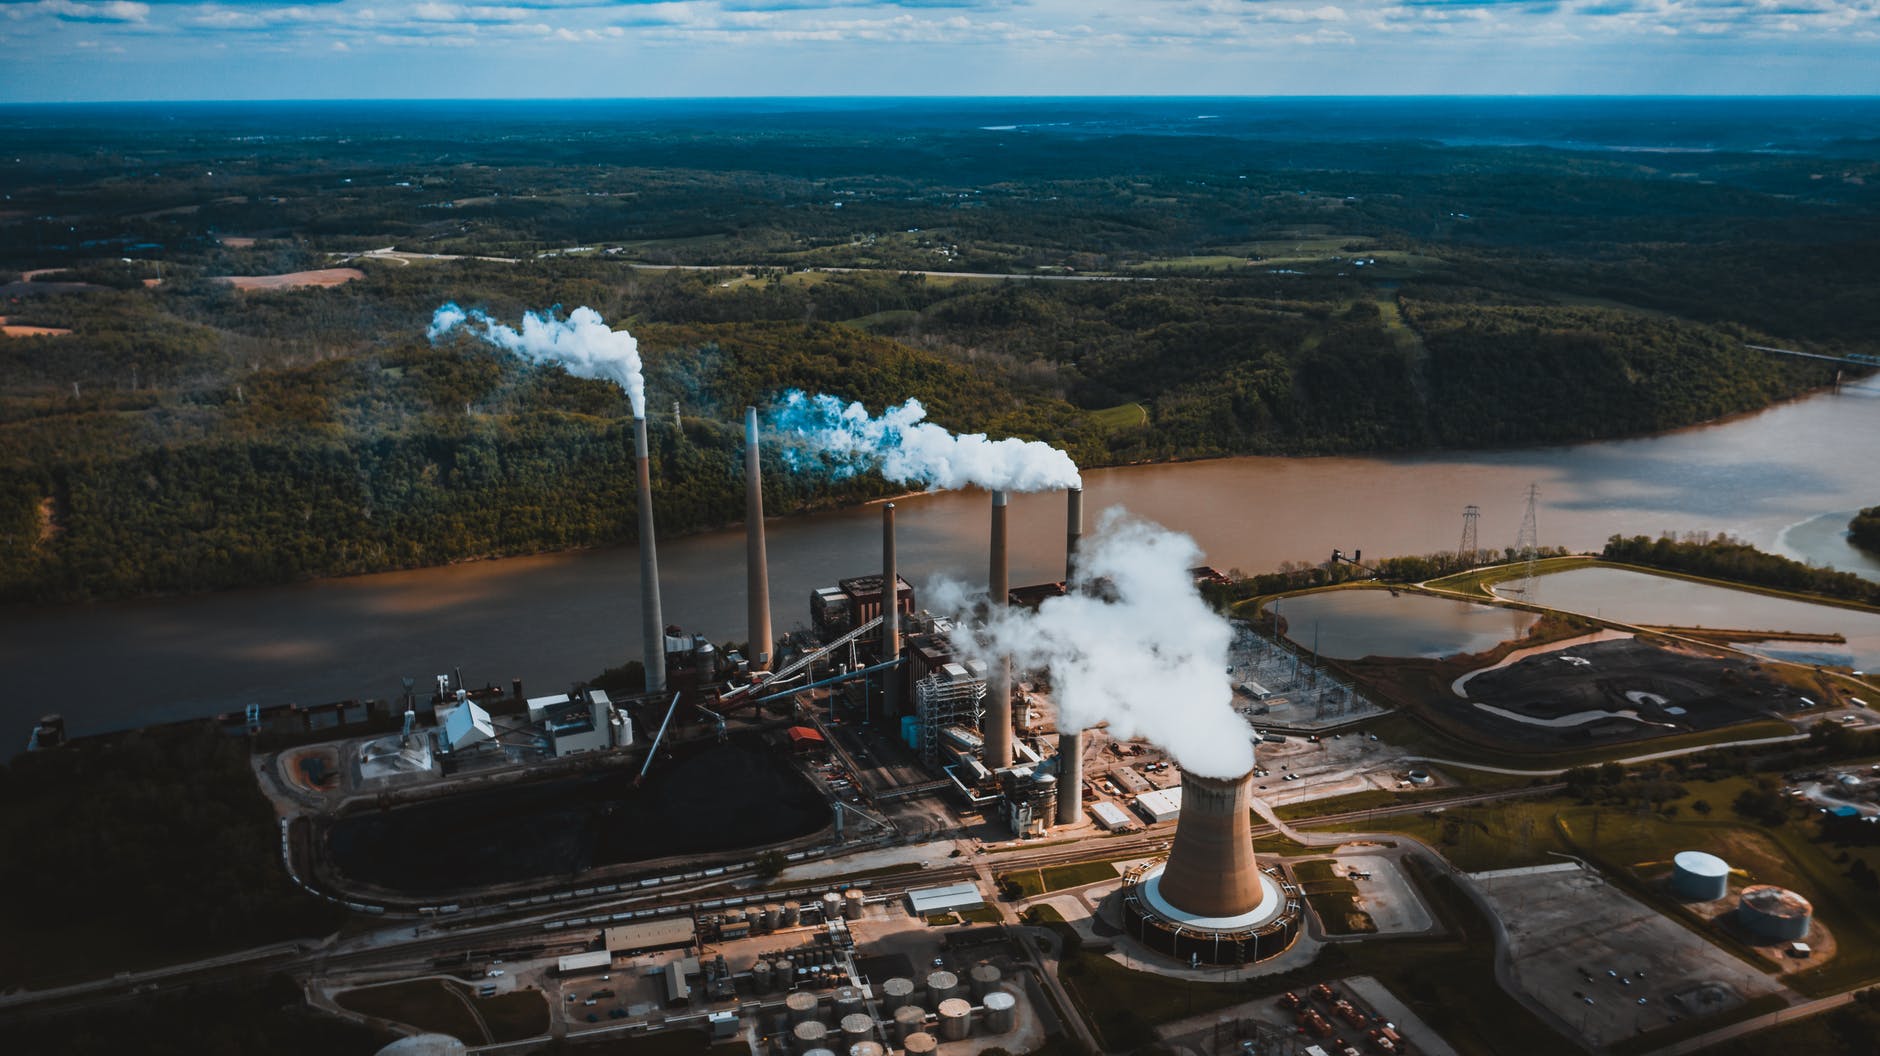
(998, 725)
(756, 561)
(652, 620)
(1211, 870)
(1070, 753)
(890, 616)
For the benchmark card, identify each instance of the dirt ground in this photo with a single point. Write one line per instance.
(14, 330)
(293, 280)
(1621, 690)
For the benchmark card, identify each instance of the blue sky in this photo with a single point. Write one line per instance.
(59, 50)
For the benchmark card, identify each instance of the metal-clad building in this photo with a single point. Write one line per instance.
(670, 933)
(927, 900)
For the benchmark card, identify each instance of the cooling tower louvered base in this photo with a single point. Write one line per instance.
(1263, 932)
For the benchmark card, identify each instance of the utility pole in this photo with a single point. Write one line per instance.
(1527, 541)
(1466, 550)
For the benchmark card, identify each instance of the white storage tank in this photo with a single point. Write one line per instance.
(820, 1052)
(908, 1019)
(867, 1048)
(956, 1019)
(809, 1035)
(857, 1026)
(1001, 1012)
(802, 1006)
(941, 986)
(1699, 877)
(897, 992)
(1774, 914)
(848, 1001)
(984, 979)
(831, 905)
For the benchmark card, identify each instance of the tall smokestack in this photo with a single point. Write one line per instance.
(1070, 793)
(756, 561)
(890, 615)
(998, 729)
(652, 621)
(1211, 870)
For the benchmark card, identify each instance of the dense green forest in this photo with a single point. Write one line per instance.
(1726, 558)
(1864, 530)
(151, 847)
(1359, 296)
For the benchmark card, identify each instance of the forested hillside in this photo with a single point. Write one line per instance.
(1178, 297)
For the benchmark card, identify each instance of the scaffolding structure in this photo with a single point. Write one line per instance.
(950, 696)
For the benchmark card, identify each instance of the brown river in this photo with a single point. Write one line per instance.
(1785, 479)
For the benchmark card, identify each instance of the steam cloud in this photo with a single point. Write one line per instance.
(1132, 645)
(582, 343)
(908, 449)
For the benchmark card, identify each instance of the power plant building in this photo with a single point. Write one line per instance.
(1209, 901)
(1163, 804)
(466, 725)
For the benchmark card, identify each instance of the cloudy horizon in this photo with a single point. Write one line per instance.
(119, 50)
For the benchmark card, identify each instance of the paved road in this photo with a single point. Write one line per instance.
(1748, 1026)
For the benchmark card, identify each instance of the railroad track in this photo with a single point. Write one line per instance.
(421, 949)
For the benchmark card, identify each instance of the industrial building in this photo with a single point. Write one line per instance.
(666, 934)
(1209, 901)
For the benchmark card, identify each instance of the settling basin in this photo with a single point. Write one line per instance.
(1353, 624)
(709, 798)
(1661, 601)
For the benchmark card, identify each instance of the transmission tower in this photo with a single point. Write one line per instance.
(1465, 553)
(1527, 541)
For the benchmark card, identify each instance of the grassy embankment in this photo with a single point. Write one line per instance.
(1334, 898)
(1032, 882)
(447, 1007)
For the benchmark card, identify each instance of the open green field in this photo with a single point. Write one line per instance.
(1333, 897)
(1032, 882)
(1121, 416)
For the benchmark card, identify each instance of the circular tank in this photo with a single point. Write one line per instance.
(956, 1019)
(760, 977)
(831, 905)
(792, 912)
(1001, 1012)
(867, 1048)
(897, 992)
(984, 979)
(857, 1026)
(1774, 914)
(773, 916)
(920, 1044)
(852, 904)
(1699, 877)
(802, 1006)
(848, 1001)
(941, 986)
(908, 1020)
(809, 1035)
(820, 1052)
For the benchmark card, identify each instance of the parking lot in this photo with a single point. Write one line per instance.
(1604, 963)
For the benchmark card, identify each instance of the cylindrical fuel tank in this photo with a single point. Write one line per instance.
(956, 1019)
(810, 1035)
(985, 979)
(802, 1005)
(941, 986)
(908, 1019)
(920, 1044)
(857, 1026)
(1001, 1012)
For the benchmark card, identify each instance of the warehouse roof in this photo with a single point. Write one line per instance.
(652, 934)
(964, 895)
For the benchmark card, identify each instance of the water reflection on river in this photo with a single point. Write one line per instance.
(552, 619)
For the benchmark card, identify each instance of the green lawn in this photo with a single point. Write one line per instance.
(1034, 882)
(1122, 416)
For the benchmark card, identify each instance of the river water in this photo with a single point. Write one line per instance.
(1787, 479)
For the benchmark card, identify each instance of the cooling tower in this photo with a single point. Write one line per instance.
(1070, 796)
(652, 621)
(1211, 871)
(756, 561)
(890, 615)
(998, 728)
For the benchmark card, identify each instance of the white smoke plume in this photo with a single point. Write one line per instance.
(582, 343)
(1132, 645)
(907, 449)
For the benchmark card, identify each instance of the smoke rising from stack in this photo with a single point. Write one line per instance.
(844, 439)
(1132, 645)
(582, 343)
